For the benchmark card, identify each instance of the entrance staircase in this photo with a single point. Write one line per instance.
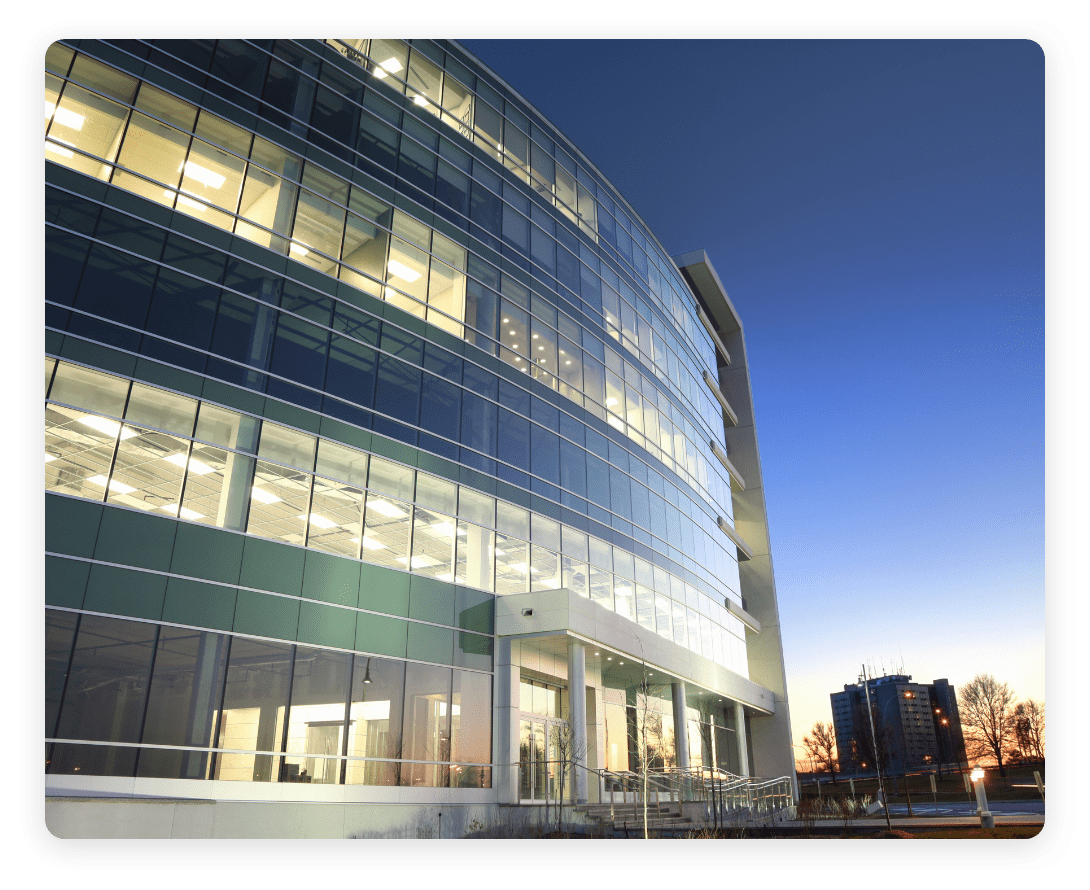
(626, 819)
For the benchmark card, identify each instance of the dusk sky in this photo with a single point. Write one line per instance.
(876, 212)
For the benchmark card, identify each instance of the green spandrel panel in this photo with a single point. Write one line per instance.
(431, 600)
(223, 394)
(171, 378)
(71, 526)
(65, 581)
(125, 592)
(384, 590)
(429, 643)
(98, 356)
(290, 415)
(322, 625)
(210, 553)
(135, 539)
(381, 635)
(271, 566)
(331, 579)
(199, 604)
(264, 615)
(473, 651)
(342, 432)
(474, 610)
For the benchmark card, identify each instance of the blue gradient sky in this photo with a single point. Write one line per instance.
(875, 209)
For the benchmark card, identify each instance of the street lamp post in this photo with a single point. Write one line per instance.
(942, 748)
(987, 820)
(874, 742)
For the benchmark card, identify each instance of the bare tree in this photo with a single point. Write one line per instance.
(820, 744)
(569, 752)
(871, 752)
(987, 718)
(1029, 729)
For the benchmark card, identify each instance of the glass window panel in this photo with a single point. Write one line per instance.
(147, 472)
(149, 406)
(107, 681)
(341, 462)
(474, 556)
(411, 230)
(213, 175)
(512, 565)
(156, 151)
(645, 606)
(544, 569)
(541, 699)
(79, 449)
(624, 599)
(53, 86)
(447, 293)
(681, 637)
(543, 352)
(60, 631)
(390, 57)
(186, 687)
(223, 133)
(512, 520)
(526, 696)
(268, 201)
(386, 530)
(544, 532)
(693, 627)
(217, 488)
(479, 508)
(514, 328)
(278, 503)
(433, 544)
(58, 58)
(570, 368)
(374, 728)
(90, 123)
(365, 250)
(407, 270)
(457, 106)
(663, 613)
(575, 543)
(471, 728)
(575, 576)
(423, 79)
(319, 225)
(254, 707)
(601, 554)
(228, 428)
(316, 719)
(392, 479)
(435, 493)
(602, 587)
(622, 563)
(426, 724)
(706, 644)
(92, 390)
(644, 573)
(487, 125)
(516, 152)
(286, 446)
(336, 517)
(166, 107)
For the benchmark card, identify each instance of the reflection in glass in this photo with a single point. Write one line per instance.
(316, 719)
(426, 724)
(147, 472)
(336, 514)
(79, 449)
(386, 531)
(374, 727)
(278, 503)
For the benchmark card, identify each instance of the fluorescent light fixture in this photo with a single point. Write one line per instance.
(319, 521)
(391, 64)
(402, 271)
(109, 427)
(419, 562)
(203, 175)
(370, 543)
(119, 487)
(49, 457)
(623, 591)
(191, 204)
(65, 117)
(420, 100)
(500, 553)
(442, 528)
(386, 508)
(298, 248)
(262, 496)
(519, 566)
(610, 402)
(58, 149)
(445, 576)
(186, 512)
(195, 466)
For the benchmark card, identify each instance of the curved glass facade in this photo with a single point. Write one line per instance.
(354, 316)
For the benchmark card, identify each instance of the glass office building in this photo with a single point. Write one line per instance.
(382, 441)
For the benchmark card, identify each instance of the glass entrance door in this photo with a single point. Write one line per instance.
(539, 770)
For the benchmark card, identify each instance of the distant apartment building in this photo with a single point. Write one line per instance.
(916, 725)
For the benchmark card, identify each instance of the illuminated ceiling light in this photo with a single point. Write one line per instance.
(262, 496)
(541, 348)
(391, 64)
(512, 333)
(402, 271)
(319, 521)
(191, 204)
(386, 509)
(49, 457)
(623, 591)
(568, 362)
(519, 567)
(64, 116)
(445, 576)
(369, 543)
(507, 321)
(500, 553)
(203, 175)
(442, 528)
(109, 427)
(298, 248)
(420, 100)
(195, 466)
(58, 149)
(610, 402)
(119, 487)
(535, 336)
(419, 561)
(186, 512)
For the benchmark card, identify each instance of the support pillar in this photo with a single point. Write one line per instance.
(740, 735)
(681, 727)
(577, 716)
(506, 706)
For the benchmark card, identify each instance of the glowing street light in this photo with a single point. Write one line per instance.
(987, 820)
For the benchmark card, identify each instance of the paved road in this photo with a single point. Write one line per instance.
(964, 808)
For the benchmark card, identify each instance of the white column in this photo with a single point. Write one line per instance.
(681, 726)
(577, 716)
(740, 733)
(506, 710)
